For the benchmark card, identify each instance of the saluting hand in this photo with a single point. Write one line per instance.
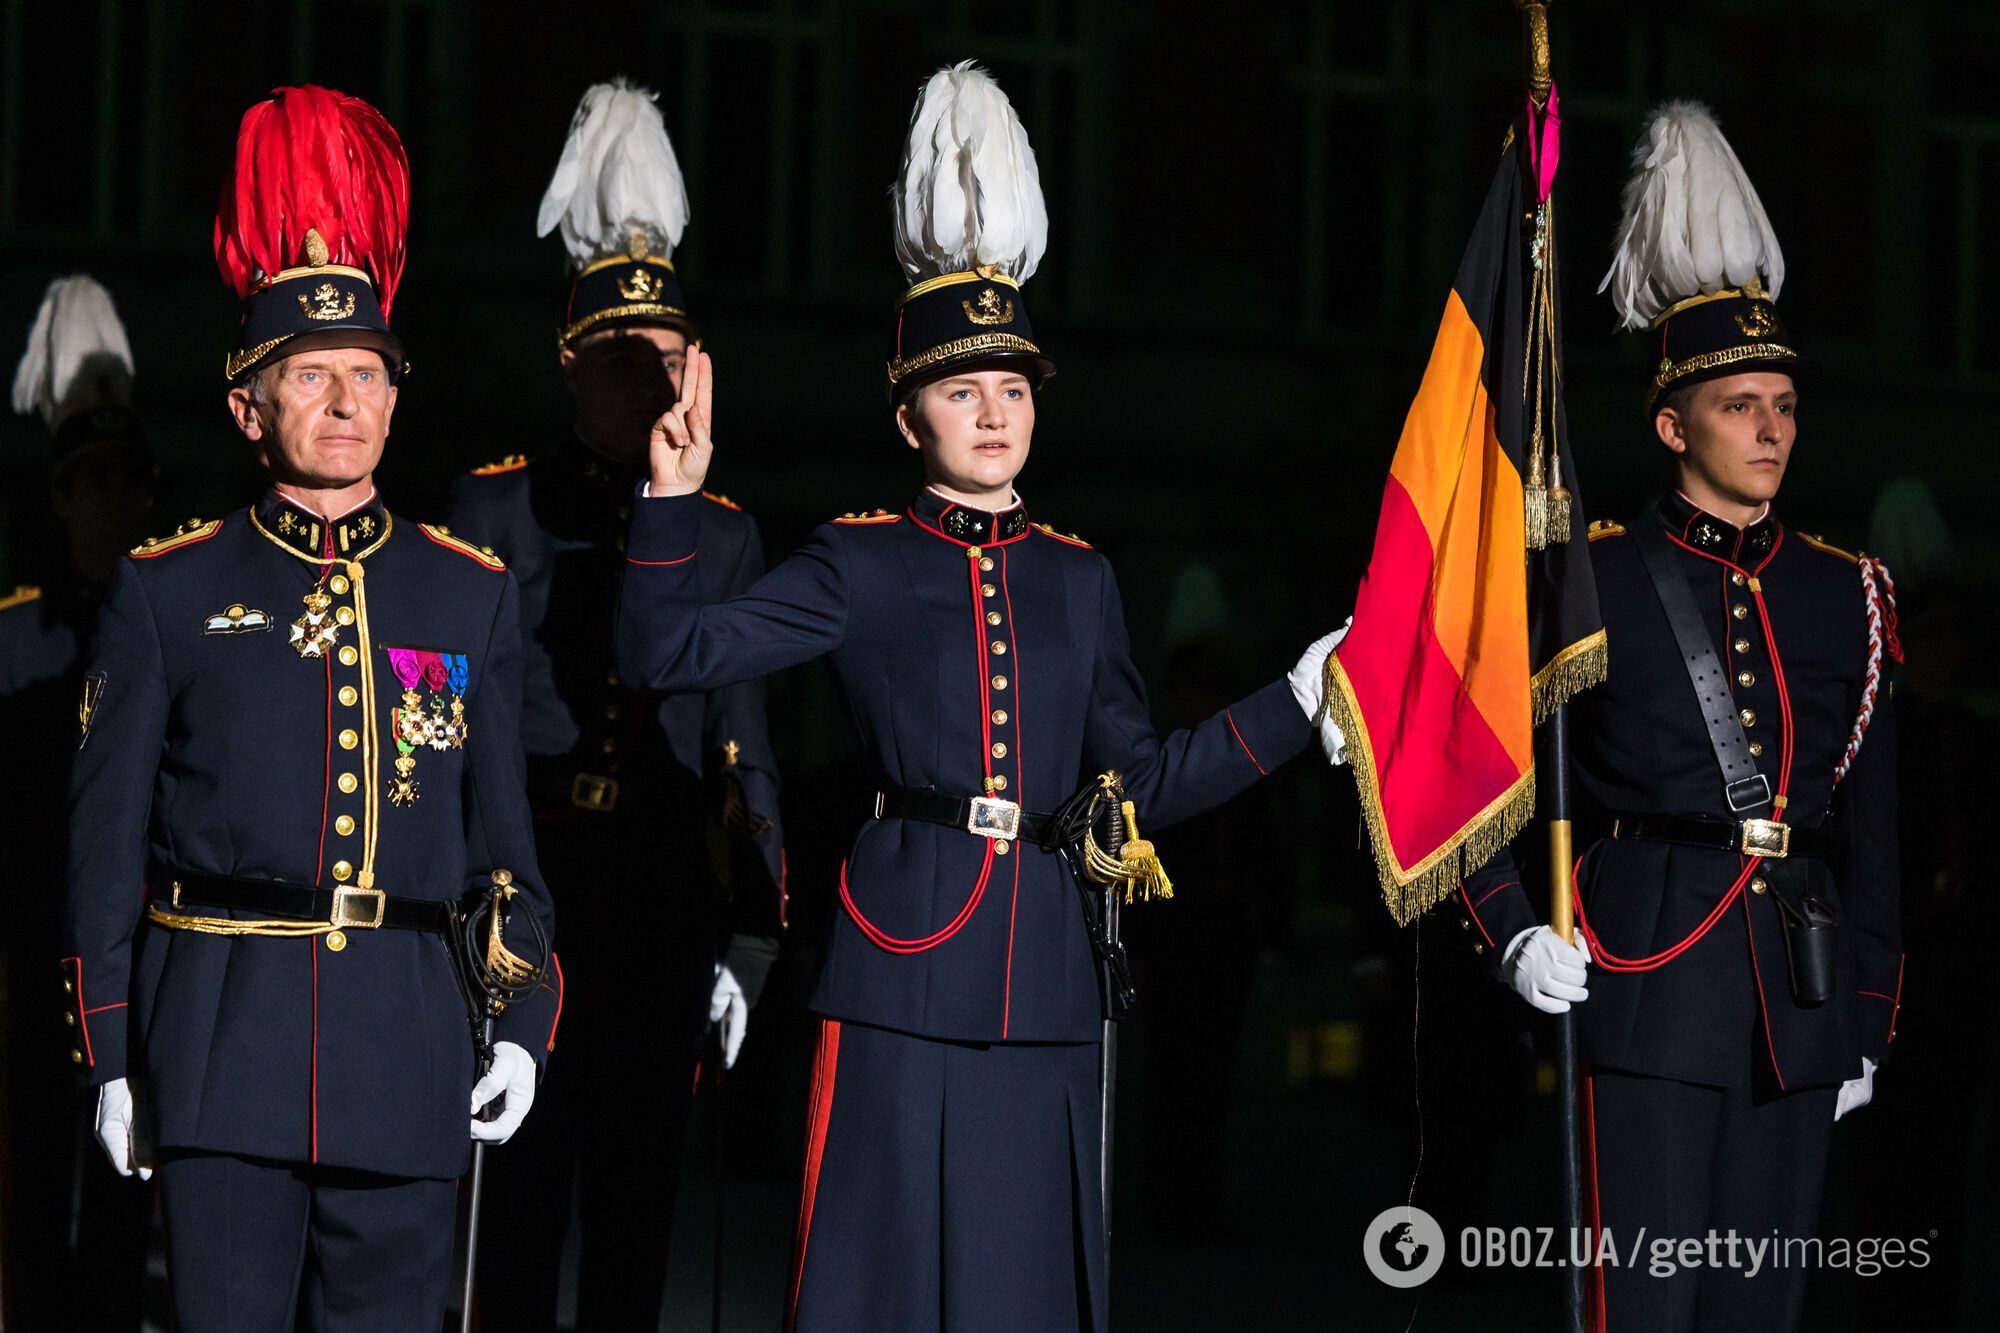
(680, 446)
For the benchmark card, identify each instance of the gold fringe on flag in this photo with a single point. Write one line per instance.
(1409, 893)
(1570, 672)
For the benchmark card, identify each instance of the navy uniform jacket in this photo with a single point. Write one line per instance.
(44, 633)
(559, 522)
(210, 745)
(970, 646)
(1641, 748)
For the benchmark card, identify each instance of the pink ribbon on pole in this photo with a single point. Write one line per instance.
(1544, 144)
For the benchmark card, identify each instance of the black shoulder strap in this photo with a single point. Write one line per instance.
(1742, 785)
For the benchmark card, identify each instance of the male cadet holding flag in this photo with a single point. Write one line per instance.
(298, 749)
(952, 1165)
(1739, 896)
(656, 815)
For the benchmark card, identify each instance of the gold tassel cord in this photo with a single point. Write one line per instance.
(1141, 868)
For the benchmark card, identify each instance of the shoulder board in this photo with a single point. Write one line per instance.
(187, 534)
(1830, 549)
(1604, 527)
(511, 463)
(442, 536)
(1069, 537)
(874, 516)
(722, 500)
(21, 596)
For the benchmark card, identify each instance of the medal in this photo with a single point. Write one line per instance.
(314, 633)
(409, 725)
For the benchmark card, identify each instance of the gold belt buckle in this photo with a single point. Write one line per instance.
(343, 915)
(991, 817)
(1766, 838)
(593, 791)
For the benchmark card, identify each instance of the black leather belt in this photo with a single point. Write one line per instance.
(343, 905)
(1749, 837)
(984, 816)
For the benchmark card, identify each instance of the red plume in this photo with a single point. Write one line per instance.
(314, 159)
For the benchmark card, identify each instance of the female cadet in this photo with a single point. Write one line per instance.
(953, 1154)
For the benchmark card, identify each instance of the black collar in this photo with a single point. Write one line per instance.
(965, 525)
(601, 471)
(310, 534)
(1705, 532)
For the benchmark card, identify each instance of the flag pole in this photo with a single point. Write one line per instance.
(1553, 783)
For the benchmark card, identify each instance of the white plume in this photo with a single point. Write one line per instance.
(969, 192)
(1693, 223)
(78, 357)
(617, 175)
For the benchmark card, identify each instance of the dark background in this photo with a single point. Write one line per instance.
(1256, 212)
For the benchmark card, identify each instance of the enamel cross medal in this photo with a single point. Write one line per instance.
(313, 633)
(411, 727)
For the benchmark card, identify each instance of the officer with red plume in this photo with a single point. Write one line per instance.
(298, 769)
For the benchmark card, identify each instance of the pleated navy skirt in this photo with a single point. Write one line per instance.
(950, 1187)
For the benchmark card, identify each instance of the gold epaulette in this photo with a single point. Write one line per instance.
(187, 534)
(511, 463)
(873, 516)
(1604, 527)
(21, 596)
(1069, 537)
(442, 536)
(722, 500)
(1821, 545)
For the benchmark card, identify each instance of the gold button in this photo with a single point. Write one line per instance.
(624, 511)
(992, 617)
(348, 740)
(336, 940)
(69, 987)
(609, 745)
(338, 583)
(611, 679)
(69, 1018)
(987, 563)
(999, 682)
(1479, 948)
(999, 649)
(999, 717)
(620, 543)
(342, 871)
(1747, 717)
(1758, 884)
(347, 782)
(1756, 749)
(76, 1057)
(611, 712)
(348, 655)
(971, 551)
(987, 590)
(999, 782)
(1739, 610)
(344, 614)
(1737, 578)
(348, 694)
(1746, 678)
(1741, 645)
(999, 750)
(1000, 847)
(344, 825)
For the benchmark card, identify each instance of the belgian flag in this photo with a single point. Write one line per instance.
(1478, 614)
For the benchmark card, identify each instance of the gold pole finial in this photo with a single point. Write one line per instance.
(1535, 20)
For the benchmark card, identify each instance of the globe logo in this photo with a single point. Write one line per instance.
(1403, 1246)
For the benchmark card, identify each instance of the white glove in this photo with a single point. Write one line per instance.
(1544, 971)
(1856, 1092)
(114, 1127)
(513, 1073)
(1308, 681)
(727, 1007)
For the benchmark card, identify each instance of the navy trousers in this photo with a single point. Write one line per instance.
(1682, 1160)
(950, 1187)
(266, 1247)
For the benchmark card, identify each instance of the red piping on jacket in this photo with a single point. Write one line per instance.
(1231, 719)
(661, 564)
(83, 1020)
(1020, 781)
(1595, 1277)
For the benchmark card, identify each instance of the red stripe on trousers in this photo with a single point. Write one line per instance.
(826, 1061)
